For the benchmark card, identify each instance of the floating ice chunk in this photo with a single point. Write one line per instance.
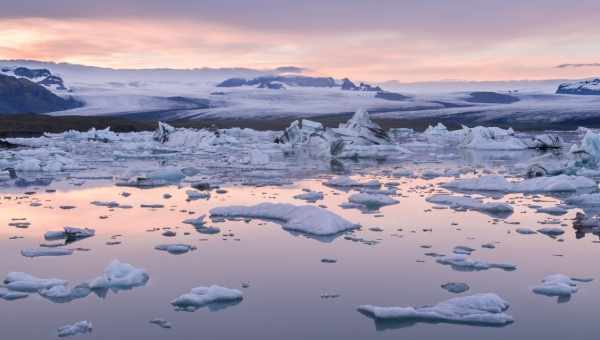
(162, 132)
(203, 296)
(10, 295)
(556, 285)
(552, 232)
(479, 309)
(310, 196)
(361, 130)
(119, 275)
(306, 218)
(372, 200)
(162, 323)
(461, 262)
(70, 234)
(23, 282)
(197, 195)
(198, 221)
(344, 181)
(585, 200)
(29, 165)
(81, 327)
(257, 157)
(456, 287)
(37, 252)
(457, 202)
(491, 138)
(545, 141)
(175, 249)
(169, 174)
(561, 183)
(553, 211)
(525, 231)
(108, 204)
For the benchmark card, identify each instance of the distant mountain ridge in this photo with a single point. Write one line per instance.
(585, 87)
(21, 95)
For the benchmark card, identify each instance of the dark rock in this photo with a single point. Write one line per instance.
(32, 73)
(19, 95)
(391, 96)
(491, 98)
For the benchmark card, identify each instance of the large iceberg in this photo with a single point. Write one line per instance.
(304, 218)
(479, 309)
(561, 183)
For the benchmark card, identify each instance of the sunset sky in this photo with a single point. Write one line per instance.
(370, 39)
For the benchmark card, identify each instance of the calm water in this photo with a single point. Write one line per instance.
(284, 270)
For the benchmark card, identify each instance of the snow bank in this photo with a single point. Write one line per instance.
(306, 218)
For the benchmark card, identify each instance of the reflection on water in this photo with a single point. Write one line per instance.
(281, 272)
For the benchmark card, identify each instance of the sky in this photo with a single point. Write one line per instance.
(376, 40)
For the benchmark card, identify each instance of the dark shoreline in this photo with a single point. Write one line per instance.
(33, 125)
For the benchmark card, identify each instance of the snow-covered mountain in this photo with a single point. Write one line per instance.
(238, 94)
(584, 87)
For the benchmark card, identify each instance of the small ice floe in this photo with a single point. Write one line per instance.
(175, 249)
(79, 328)
(305, 218)
(38, 252)
(561, 183)
(207, 230)
(152, 206)
(556, 211)
(205, 296)
(558, 285)
(162, 323)
(480, 310)
(69, 234)
(348, 182)
(197, 195)
(10, 295)
(108, 204)
(120, 276)
(310, 196)
(525, 231)
(23, 282)
(169, 233)
(552, 232)
(328, 260)
(198, 221)
(460, 203)
(461, 262)
(456, 287)
(584, 200)
(371, 201)
(463, 250)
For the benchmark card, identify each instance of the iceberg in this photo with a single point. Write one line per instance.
(461, 262)
(23, 282)
(480, 309)
(456, 202)
(203, 296)
(306, 218)
(560, 183)
(120, 276)
(81, 327)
